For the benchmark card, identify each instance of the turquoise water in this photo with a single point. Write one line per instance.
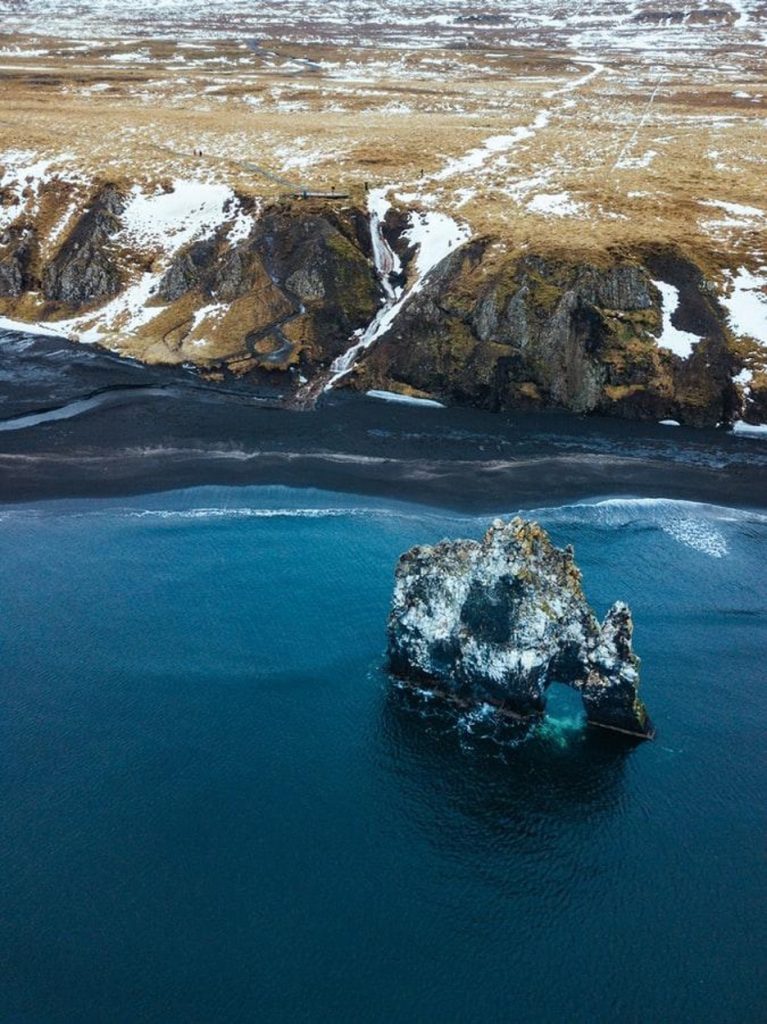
(215, 807)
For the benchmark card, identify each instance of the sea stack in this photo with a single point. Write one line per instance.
(497, 621)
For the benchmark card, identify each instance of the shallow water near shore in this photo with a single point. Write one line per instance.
(216, 806)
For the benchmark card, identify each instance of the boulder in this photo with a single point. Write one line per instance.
(497, 621)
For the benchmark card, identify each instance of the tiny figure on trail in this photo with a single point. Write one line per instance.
(366, 186)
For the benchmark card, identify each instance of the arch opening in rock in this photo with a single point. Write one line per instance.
(565, 705)
(501, 620)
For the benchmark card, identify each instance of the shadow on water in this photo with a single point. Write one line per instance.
(516, 782)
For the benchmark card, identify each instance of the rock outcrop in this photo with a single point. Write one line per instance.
(532, 332)
(15, 263)
(282, 290)
(84, 270)
(302, 279)
(499, 620)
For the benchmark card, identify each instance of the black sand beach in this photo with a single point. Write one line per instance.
(136, 429)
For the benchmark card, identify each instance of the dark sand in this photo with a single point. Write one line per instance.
(156, 429)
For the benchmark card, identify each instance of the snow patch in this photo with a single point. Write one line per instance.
(436, 235)
(679, 342)
(192, 209)
(736, 209)
(393, 396)
(496, 144)
(555, 204)
(749, 429)
(125, 313)
(746, 304)
(637, 161)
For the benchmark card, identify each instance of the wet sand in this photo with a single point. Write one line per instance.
(154, 429)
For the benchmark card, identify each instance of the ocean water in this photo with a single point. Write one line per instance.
(217, 808)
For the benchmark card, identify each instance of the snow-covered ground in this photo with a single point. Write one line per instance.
(167, 220)
(25, 173)
(548, 124)
(155, 224)
(599, 25)
(746, 304)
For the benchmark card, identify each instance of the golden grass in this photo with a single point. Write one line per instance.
(402, 125)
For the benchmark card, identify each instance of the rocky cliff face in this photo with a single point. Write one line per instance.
(84, 269)
(536, 332)
(280, 292)
(301, 281)
(254, 290)
(499, 620)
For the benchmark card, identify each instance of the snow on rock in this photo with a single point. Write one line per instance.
(127, 312)
(496, 621)
(435, 234)
(161, 222)
(745, 379)
(746, 304)
(679, 342)
(154, 223)
(241, 226)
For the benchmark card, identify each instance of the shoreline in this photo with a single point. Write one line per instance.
(40, 471)
(155, 429)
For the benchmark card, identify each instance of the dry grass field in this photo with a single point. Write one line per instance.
(631, 138)
(585, 131)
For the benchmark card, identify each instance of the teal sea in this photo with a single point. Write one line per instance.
(217, 808)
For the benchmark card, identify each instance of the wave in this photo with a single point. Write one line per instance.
(693, 524)
(203, 513)
(698, 526)
(254, 513)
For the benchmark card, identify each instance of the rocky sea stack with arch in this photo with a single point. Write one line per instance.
(497, 621)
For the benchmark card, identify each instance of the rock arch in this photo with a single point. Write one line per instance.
(501, 619)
